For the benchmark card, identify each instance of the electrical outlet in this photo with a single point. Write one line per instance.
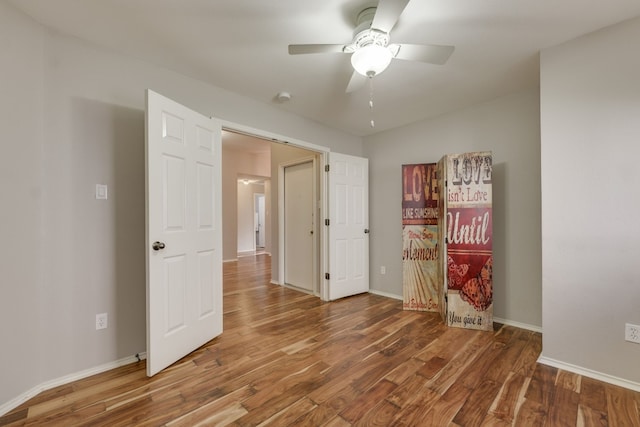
(632, 333)
(102, 321)
(383, 269)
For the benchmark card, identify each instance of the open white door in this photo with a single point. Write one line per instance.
(183, 236)
(348, 225)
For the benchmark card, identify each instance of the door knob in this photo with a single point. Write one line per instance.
(366, 231)
(157, 246)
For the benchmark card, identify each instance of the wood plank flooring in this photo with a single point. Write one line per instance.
(287, 358)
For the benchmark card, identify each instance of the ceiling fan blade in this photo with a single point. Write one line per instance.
(357, 81)
(387, 14)
(430, 53)
(301, 49)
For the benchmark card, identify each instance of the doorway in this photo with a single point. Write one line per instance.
(259, 220)
(333, 276)
(252, 228)
(248, 161)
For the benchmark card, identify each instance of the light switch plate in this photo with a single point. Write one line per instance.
(101, 192)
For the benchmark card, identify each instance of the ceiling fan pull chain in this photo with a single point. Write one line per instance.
(373, 123)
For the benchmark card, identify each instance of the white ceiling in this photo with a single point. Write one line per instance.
(241, 45)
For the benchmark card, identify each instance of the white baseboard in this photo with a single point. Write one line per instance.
(246, 253)
(589, 373)
(47, 385)
(515, 324)
(243, 254)
(385, 294)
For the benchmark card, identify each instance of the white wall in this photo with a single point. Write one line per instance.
(510, 128)
(21, 204)
(72, 117)
(590, 127)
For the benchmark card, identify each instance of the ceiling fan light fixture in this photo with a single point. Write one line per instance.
(371, 60)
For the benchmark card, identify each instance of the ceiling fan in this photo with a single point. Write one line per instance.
(370, 49)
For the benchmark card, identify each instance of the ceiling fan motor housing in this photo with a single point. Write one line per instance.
(365, 17)
(364, 35)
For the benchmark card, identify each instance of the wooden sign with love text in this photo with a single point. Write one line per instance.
(420, 237)
(467, 256)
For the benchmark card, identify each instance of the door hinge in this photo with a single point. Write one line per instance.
(446, 240)
(326, 222)
(327, 276)
(326, 168)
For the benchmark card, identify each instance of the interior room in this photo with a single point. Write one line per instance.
(550, 89)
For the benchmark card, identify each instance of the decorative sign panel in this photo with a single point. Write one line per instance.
(469, 244)
(420, 237)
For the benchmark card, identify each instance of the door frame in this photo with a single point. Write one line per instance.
(316, 219)
(323, 158)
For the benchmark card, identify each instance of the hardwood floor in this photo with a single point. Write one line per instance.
(287, 358)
